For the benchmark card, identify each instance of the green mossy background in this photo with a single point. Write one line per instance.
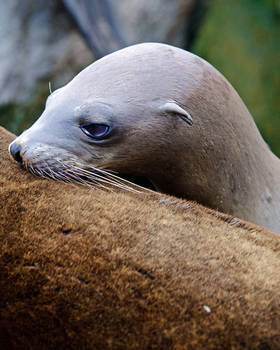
(17, 117)
(241, 38)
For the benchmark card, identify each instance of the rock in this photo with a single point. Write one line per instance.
(37, 41)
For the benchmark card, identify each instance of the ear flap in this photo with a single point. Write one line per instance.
(174, 108)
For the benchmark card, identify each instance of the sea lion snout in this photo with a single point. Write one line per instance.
(15, 150)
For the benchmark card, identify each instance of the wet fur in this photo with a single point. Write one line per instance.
(87, 269)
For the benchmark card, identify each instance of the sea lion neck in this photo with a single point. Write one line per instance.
(228, 169)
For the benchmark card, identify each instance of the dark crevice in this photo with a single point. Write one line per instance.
(145, 273)
(67, 231)
(139, 180)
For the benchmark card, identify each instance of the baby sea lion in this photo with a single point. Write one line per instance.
(157, 111)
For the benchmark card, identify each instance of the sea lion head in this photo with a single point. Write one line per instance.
(156, 111)
(122, 114)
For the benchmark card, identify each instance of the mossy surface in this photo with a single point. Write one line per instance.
(242, 40)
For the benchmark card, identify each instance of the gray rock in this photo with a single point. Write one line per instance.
(37, 41)
(157, 20)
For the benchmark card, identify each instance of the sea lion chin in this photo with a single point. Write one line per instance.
(157, 111)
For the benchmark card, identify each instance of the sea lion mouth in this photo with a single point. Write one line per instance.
(58, 164)
(77, 172)
(48, 163)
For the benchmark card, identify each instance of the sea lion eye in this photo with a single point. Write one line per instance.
(96, 131)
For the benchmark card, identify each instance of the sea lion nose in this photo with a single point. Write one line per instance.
(15, 149)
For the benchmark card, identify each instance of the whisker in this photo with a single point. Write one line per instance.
(119, 179)
(73, 175)
(94, 176)
(84, 174)
(102, 178)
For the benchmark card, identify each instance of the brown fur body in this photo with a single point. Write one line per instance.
(220, 161)
(88, 269)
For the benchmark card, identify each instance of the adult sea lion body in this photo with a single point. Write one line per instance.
(160, 112)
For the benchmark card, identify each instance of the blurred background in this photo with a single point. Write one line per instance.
(50, 41)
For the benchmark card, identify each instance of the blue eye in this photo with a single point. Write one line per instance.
(96, 131)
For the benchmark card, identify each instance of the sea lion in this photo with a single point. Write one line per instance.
(161, 112)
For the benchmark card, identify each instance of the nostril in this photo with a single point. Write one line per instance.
(15, 149)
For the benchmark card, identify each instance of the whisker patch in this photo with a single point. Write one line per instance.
(73, 171)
